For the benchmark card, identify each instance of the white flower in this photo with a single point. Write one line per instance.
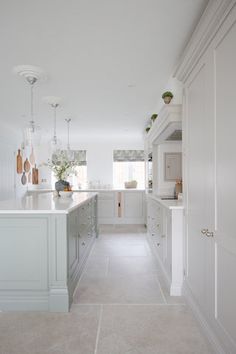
(61, 166)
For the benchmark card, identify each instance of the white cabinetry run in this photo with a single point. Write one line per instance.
(121, 207)
(209, 78)
(165, 236)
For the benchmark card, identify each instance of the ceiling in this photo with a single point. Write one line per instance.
(109, 60)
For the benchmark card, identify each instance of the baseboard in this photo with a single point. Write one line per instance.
(211, 336)
(24, 301)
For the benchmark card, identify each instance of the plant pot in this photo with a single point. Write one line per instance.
(167, 99)
(61, 185)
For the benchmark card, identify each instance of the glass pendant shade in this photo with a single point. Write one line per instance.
(32, 132)
(54, 143)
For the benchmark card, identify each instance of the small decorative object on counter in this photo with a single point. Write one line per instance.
(35, 175)
(154, 117)
(65, 194)
(19, 167)
(23, 178)
(61, 185)
(167, 97)
(131, 184)
(178, 187)
(26, 165)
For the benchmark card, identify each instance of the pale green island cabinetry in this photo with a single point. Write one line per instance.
(44, 243)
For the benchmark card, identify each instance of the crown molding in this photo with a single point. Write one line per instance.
(210, 22)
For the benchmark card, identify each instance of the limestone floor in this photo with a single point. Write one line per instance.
(121, 306)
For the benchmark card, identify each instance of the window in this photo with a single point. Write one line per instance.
(128, 165)
(79, 179)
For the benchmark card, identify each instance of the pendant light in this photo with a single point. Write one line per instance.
(69, 152)
(54, 143)
(32, 132)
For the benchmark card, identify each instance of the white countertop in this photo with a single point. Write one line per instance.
(44, 203)
(169, 204)
(90, 190)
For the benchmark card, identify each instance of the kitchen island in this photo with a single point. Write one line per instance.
(44, 243)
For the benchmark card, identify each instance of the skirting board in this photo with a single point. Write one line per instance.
(24, 301)
(202, 321)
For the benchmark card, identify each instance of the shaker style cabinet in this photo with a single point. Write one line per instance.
(165, 236)
(121, 207)
(210, 175)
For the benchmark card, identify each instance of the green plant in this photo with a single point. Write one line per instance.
(60, 165)
(154, 117)
(147, 129)
(167, 94)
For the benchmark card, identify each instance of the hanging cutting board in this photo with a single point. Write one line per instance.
(19, 167)
(26, 165)
(23, 178)
(32, 157)
(35, 175)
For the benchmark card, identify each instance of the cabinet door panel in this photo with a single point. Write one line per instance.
(133, 204)
(225, 79)
(199, 160)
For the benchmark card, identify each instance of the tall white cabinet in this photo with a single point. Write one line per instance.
(209, 78)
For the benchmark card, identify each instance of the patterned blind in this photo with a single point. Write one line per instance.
(79, 157)
(128, 155)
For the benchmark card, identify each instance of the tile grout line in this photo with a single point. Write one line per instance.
(99, 329)
(128, 304)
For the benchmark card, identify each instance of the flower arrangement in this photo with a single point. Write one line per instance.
(60, 165)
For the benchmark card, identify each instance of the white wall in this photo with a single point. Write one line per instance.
(99, 157)
(10, 184)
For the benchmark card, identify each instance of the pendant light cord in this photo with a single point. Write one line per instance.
(32, 105)
(55, 123)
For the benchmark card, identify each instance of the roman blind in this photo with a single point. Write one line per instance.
(128, 155)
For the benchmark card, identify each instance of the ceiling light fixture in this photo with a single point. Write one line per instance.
(55, 143)
(70, 153)
(32, 132)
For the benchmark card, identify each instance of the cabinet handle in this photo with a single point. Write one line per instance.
(209, 234)
(204, 231)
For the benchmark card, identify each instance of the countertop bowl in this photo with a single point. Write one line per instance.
(65, 194)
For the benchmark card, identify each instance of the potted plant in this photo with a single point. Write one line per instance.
(62, 167)
(154, 117)
(167, 97)
(148, 128)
